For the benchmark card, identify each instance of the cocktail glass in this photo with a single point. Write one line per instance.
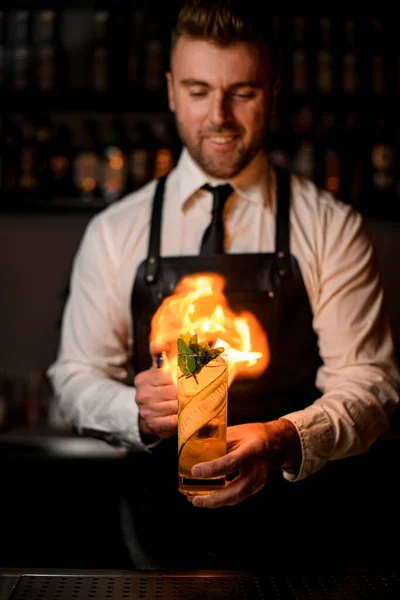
(202, 423)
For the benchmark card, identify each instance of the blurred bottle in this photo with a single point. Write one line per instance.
(379, 195)
(141, 156)
(19, 44)
(332, 165)
(351, 160)
(304, 160)
(154, 59)
(10, 155)
(87, 162)
(328, 174)
(276, 21)
(325, 58)
(350, 60)
(378, 76)
(277, 142)
(165, 158)
(303, 153)
(32, 404)
(16, 394)
(61, 163)
(28, 181)
(45, 44)
(46, 396)
(136, 28)
(100, 66)
(76, 39)
(44, 132)
(300, 76)
(114, 163)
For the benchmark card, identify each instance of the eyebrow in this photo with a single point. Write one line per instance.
(248, 83)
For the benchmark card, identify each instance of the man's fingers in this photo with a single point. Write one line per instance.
(166, 424)
(160, 377)
(220, 466)
(165, 393)
(165, 408)
(154, 377)
(233, 493)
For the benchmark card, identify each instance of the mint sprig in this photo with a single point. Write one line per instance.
(192, 356)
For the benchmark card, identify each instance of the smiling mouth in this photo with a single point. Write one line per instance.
(222, 140)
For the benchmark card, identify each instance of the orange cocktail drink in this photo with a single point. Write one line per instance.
(202, 417)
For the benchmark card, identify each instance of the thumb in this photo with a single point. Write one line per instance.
(159, 352)
(157, 348)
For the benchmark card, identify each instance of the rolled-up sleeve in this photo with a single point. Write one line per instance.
(90, 371)
(359, 378)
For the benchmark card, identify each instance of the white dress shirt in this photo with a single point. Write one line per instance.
(359, 380)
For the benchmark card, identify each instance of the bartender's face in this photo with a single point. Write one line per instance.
(222, 98)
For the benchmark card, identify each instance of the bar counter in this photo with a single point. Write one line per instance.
(60, 499)
(26, 584)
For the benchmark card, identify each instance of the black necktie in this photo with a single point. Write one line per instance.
(213, 237)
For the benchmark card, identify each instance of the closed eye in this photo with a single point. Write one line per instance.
(197, 93)
(244, 95)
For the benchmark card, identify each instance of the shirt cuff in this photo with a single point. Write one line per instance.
(130, 439)
(118, 424)
(315, 432)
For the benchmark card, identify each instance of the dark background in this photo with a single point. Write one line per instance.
(90, 79)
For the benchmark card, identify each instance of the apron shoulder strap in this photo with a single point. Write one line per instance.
(282, 234)
(153, 254)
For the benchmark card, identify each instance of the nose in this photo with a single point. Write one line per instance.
(219, 109)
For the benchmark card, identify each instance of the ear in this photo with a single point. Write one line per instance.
(171, 94)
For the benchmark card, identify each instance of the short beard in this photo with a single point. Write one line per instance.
(242, 159)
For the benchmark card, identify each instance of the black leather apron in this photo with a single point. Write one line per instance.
(169, 530)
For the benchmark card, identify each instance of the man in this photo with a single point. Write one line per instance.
(332, 383)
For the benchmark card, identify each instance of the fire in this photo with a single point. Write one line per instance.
(198, 306)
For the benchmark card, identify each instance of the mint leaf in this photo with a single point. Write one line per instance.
(192, 356)
(182, 346)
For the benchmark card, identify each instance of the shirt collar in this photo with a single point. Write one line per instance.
(253, 183)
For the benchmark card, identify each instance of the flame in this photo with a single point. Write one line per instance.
(198, 306)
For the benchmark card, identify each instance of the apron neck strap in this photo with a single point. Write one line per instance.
(282, 239)
(153, 255)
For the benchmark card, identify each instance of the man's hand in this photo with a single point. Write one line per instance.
(156, 397)
(255, 451)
